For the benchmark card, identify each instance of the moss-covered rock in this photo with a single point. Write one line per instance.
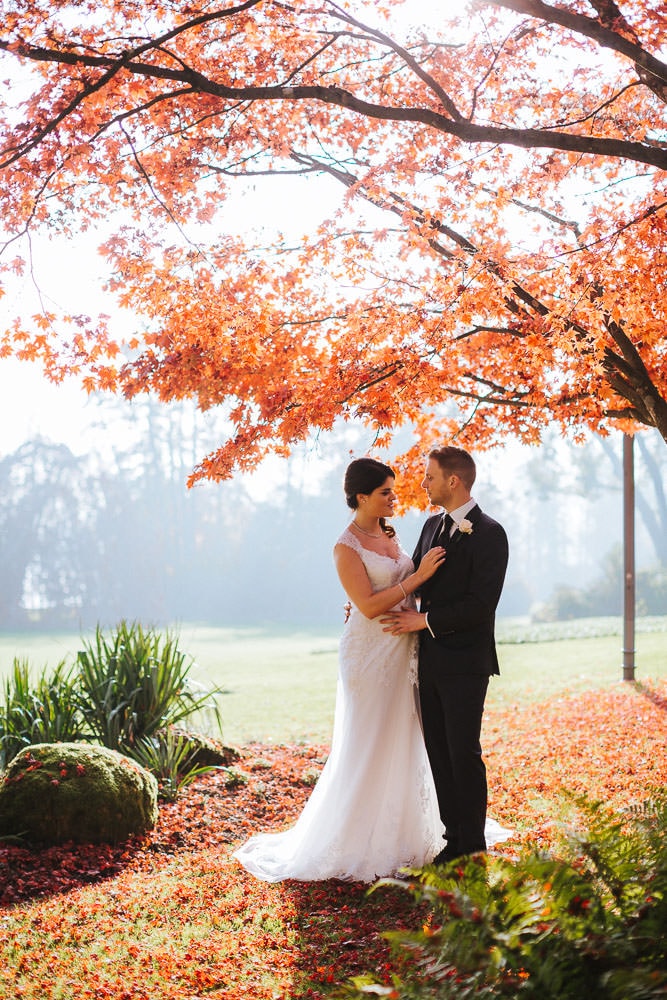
(205, 751)
(52, 793)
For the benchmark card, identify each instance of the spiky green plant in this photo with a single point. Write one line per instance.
(590, 925)
(38, 709)
(134, 682)
(170, 757)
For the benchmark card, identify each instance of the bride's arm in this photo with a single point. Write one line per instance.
(354, 578)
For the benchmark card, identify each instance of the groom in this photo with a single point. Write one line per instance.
(457, 651)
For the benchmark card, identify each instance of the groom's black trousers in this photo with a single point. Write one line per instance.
(452, 706)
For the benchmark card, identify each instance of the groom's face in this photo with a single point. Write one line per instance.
(438, 485)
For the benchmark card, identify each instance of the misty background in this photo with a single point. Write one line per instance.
(97, 523)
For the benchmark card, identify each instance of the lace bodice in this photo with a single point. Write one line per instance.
(363, 638)
(383, 571)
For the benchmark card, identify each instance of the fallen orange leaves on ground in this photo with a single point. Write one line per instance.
(171, 915)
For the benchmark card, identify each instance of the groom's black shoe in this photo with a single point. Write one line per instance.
(446, 855)
(452, 853)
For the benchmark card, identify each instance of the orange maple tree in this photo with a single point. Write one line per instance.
(496, 261)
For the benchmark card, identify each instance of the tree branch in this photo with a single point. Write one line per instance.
(630, 368)
(597, 29)
(408, 59)
(626, 374)
(464, 130)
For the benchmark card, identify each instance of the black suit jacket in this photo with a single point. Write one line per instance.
(461, 598)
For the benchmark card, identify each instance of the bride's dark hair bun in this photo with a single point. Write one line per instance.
(364, 475)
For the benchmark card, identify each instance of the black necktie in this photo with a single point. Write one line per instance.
(442, 536)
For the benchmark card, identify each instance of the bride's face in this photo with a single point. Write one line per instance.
(382, 501)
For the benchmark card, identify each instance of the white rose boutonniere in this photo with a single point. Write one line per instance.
(465, 526)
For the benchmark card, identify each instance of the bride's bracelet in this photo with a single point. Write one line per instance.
(402, 589)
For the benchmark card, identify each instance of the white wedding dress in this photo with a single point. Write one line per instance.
(374, 808)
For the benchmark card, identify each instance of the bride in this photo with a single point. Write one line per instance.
(374, 807)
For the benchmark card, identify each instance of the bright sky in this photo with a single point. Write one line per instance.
(31, 407)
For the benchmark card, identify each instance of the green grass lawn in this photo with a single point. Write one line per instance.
(279, 685)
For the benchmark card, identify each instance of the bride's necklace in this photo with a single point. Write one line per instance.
(364, 532)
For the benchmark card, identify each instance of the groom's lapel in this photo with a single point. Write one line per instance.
(472, 516)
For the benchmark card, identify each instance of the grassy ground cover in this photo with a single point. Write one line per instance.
(279, 685)
(172, 917)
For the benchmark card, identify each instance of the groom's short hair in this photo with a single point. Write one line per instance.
(457, 461)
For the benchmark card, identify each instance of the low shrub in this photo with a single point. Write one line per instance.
(604, 596)
(592, 924)
(127, 689)
(134, 682)
(172, 759)
(44, 709)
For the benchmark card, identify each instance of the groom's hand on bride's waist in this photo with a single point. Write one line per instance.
(398, 622)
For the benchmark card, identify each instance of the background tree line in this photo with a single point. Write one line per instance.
(114, 532)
